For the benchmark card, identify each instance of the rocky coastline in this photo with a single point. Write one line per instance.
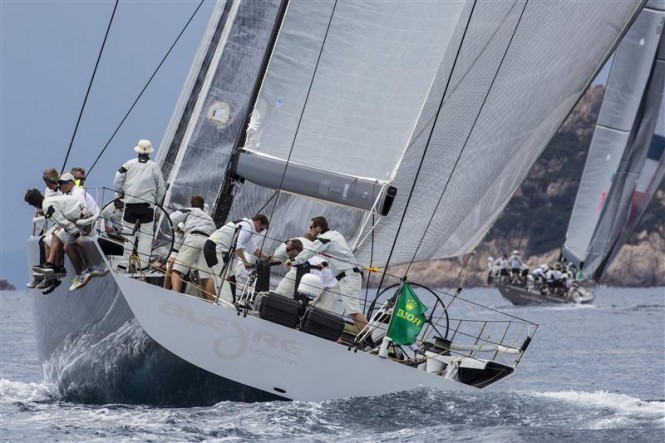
(640, 263)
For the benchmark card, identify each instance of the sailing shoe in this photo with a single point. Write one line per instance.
(44, 283)
(44, 268)
(80, 281)
(52, 285)
(75, 283)
(367, 344)
(36, 280)
(99, 270)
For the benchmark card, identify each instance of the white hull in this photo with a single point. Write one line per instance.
(92, 348)
(124, 340)
(266, 355)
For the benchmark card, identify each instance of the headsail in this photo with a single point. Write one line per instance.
(361, 96)
(622, 140)
(500, 80)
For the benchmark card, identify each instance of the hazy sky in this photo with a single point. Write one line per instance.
(48, 51)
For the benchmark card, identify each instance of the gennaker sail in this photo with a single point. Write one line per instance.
(625, 163)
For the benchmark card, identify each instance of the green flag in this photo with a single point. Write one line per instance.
(408, 317)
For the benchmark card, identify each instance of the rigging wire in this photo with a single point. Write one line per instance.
(371, 263)
(466, 141)
(146, 85)
(302, 114)
(422, 158)
(87, 93)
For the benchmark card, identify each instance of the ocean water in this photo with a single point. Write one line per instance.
(592, 373)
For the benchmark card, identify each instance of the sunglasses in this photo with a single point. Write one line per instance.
(312, 227)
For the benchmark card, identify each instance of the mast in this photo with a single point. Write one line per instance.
(227, 191)
(204, 127)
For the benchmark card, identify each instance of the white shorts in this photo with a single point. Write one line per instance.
(329, 300)
(287, 285)
(191, 255)
(48, 235)
(65, 236)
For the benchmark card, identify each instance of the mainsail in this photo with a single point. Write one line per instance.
(208, 118)
(617, 163)
(450, 103)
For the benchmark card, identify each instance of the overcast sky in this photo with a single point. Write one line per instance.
(48, 51)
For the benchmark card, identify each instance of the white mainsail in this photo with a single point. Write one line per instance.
(630, 111)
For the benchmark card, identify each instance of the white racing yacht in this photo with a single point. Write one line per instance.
(408, 125)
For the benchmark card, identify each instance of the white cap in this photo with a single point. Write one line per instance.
(143, 147)
(515, 252)
(66, 177)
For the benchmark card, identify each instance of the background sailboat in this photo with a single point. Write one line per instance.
(625, 162)
(604, 214)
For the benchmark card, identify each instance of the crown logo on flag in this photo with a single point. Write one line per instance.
(411, 304)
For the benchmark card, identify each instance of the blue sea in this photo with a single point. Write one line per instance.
(592, 373)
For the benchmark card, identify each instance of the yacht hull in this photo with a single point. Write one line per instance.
(264, 355)
(519, 295)
(93, 349)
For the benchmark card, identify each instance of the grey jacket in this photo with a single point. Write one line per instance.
(332, 246)
(140, 181)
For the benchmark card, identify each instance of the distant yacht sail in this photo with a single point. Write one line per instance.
(624, 165)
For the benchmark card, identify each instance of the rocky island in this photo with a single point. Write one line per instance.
(5, 285)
